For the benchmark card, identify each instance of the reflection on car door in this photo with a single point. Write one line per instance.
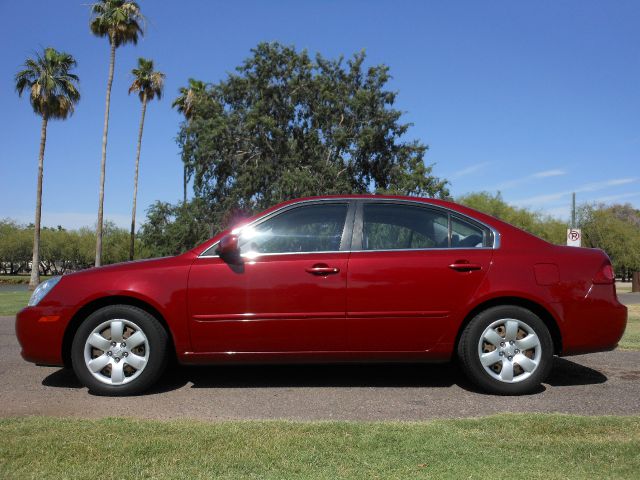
(405, 280)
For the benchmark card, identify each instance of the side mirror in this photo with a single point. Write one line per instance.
(228, 246)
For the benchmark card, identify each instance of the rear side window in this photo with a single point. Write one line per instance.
(388, 226)
(309, 228)
(467, 235)
(393, 227)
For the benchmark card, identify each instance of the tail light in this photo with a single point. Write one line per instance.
(605, 275)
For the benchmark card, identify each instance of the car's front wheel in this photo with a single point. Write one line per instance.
(506, 350)
(119, 350)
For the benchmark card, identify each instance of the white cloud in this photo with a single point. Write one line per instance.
(469, 170)
(589, 187)
(613, 198)
(534, 176)
(549, 173)
(562, 212)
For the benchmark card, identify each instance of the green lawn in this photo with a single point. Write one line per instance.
(631, 338)
(12, 302)
(623, 287)
(523, 446)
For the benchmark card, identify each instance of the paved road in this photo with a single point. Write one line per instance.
(603, 383)
(629, 298)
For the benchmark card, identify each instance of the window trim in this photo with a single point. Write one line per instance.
(345, 240)
(358, 228)
(352, 232)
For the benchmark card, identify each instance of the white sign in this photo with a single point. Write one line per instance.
(574, 237)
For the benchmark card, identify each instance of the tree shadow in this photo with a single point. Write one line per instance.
(383, 375)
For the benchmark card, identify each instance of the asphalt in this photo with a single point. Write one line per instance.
(629, 298)
(597, 384)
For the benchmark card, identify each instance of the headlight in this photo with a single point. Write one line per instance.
(42, 289)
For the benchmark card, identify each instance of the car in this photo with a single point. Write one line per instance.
(335, 279)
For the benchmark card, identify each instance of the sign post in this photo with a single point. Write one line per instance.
(574, 237)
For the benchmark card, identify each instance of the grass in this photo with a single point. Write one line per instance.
(623, 287)
(531, 446)
(19, 279)
(631, 338)
(12, 302)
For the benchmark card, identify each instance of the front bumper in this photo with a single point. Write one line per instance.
(40, 331)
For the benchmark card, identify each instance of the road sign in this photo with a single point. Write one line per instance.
(574, 237)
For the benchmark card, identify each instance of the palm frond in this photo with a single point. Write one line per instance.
(52, 87)
(119, 20)
(147, 82)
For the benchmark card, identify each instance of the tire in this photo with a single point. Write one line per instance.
(518, 341)
(106, 364)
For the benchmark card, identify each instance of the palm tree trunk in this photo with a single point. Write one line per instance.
(184, 184)
(135, 180)
(103, 162)
(35, 262)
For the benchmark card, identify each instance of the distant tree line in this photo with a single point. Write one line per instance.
(544, 226)
(61, 250)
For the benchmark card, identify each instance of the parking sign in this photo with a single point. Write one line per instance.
(574, 237)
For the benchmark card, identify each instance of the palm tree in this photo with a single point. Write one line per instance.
(53, 93)
(149, 85)
(185, 104)
(121, 22)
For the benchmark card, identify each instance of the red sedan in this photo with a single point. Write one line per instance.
(335, 279)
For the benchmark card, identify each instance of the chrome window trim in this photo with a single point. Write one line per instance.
(496, 234)
(445, 210)
(347, 201)
(251, 257)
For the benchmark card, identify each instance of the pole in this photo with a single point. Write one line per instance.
(573, 210)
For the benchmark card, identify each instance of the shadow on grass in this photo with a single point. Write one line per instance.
(564, 373)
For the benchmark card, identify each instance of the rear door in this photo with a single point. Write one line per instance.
(411, 268)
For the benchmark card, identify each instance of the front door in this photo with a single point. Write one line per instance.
(286, 292)
(412, 268)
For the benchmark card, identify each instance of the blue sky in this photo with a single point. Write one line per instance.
(535, 99)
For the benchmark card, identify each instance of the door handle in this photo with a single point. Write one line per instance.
(322, 270)
(462, 266)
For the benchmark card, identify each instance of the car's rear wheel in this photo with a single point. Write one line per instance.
(119, 350)
(506, 350)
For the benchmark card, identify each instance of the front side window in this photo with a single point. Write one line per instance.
(309, 228)
(394, 227)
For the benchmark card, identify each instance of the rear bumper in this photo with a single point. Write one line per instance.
(594, 324)
(40, 331)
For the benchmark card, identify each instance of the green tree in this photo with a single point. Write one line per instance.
(173, 229)
(53, 94)
(285, 125)
(121, 22)
(616, 230)
(15, 247)
(548, 228)
(185, 104)
(148, 84)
